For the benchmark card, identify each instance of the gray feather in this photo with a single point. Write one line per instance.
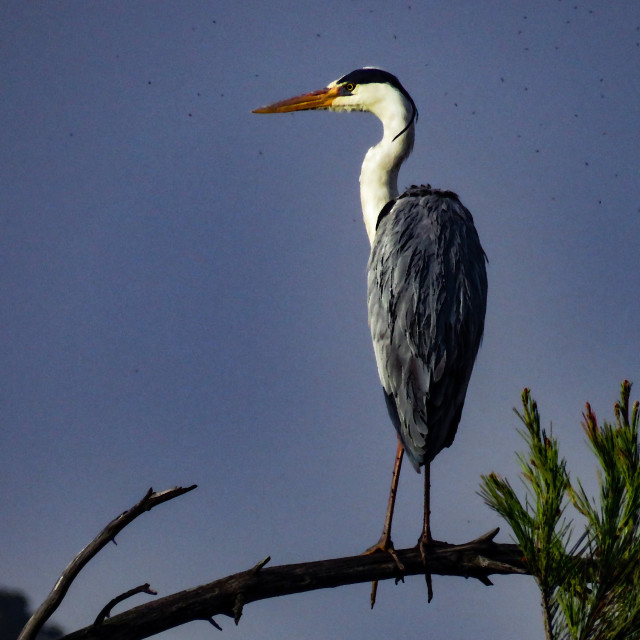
(427, 296)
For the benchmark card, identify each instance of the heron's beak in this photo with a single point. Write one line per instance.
(322, 99)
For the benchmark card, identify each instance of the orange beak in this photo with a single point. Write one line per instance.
(321, 99)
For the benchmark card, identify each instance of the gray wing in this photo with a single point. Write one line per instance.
(426, 296)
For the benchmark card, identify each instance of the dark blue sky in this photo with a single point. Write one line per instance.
(183, 286)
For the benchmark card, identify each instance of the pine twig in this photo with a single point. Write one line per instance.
(108, 534)
(106, 610)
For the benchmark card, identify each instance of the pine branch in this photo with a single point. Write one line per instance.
(611, 607)
(536, 523)
(592, 590)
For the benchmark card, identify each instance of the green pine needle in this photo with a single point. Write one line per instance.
(590, 590)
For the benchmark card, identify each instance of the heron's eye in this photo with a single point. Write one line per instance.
(349, 86)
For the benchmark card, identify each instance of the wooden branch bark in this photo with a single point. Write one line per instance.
(227, 596)
(107, 535)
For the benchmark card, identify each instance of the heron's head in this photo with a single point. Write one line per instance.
(368, 89)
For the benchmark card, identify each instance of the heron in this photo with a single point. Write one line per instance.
(426, 283)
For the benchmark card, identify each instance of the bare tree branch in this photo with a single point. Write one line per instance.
(108, 534)
(106, 610)
(227, 596)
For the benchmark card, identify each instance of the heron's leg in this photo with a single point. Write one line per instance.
(385, 543)
(426, 539)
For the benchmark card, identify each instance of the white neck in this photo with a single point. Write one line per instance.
(379, 174)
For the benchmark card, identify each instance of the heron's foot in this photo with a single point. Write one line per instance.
(384, 545)
(425, 543)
